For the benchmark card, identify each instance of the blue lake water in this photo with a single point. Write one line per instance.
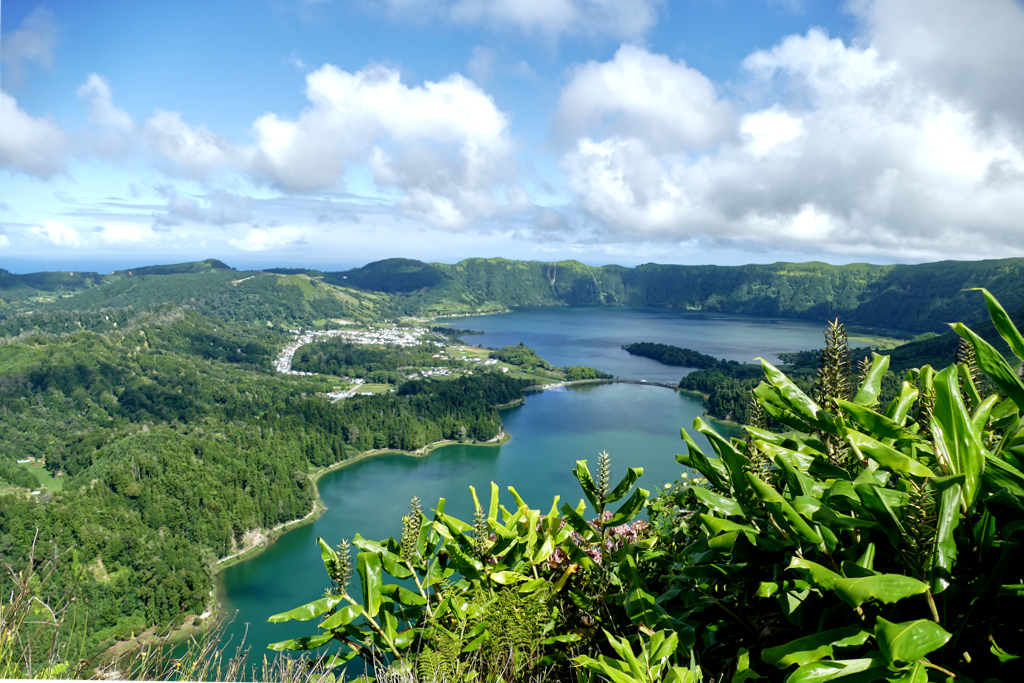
(594, 336)
(639, 426)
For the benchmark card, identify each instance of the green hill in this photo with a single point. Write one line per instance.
(173, 269)
(917, 298)
(227, 294)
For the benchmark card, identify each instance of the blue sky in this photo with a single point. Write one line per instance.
(329, 134)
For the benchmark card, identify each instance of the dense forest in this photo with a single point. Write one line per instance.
(521, 355)
(167, 437)
(675, 355)
(373, 363)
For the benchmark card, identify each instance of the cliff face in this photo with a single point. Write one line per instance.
(918, 298)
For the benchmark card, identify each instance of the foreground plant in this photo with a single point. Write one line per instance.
(881, 544)
(513, 596)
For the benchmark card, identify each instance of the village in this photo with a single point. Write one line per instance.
(390, 335)
(394, 336)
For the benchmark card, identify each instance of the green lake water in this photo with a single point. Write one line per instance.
(638, 425)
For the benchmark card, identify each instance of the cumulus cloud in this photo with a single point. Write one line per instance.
(31, 145)
(444, 145)
(616, 19)
(58, 234)
(259, 239)
(102, 111)
(196, 151)
(644, 96)
(34, 41)
(852, 152)
(970, 51)
(4, 241)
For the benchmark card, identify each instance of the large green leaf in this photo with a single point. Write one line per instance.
(346, 615)
(307, 643)
(945, 544)
(469, 567)
(797, 401)
(775, 405)
(900, 406)
(713, 470)
(875, 423)
(582, 474)
(830, 670)
(327, 553)
(608, 668)
(775, 502)
(1000, 474)
(817, 575)
(734, 461)
(721, 504)
(908, 641)
(392, 562)
(643, 609)
(876, 501)
(887, 588)
(814, 647)
(631, 508)
(308, 611)
(369, 568)
(994, 365)
(623, 487)
(983, 412)
(1007, 330)
(867, 394)
(574, 519)
(716, 525)
(954, 435)
(887, 456)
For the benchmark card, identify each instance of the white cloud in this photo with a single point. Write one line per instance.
(4, 242)
(31, 145)
(197, 151)
(851, 153)
(102, 111)
(56, 233)
(646, 97)
(762, 131)
(444, 144)
(970, 51)
(34, 41)
(263, 239)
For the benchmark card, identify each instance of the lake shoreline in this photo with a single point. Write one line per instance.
(269, 537)
(319, 508)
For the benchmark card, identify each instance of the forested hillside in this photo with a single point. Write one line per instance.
(167, 437)
(917, 298)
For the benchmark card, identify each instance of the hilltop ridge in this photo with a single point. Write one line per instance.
(915, 298)
(907, 298)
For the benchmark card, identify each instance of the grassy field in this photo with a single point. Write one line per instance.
(43, 475)
(880, 343)
(469, 352)
(375, 388)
